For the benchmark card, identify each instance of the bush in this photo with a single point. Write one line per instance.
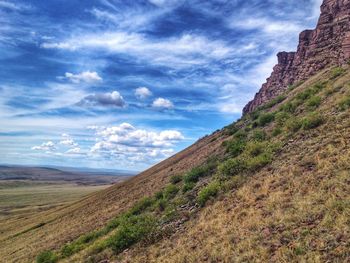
(255, 148)
(345, 104)
(312, 121)
(132, 230)
(289, 107)
(235, 147)
(241, 135)
(259, 161)
(314, 102)
(259, 135)
(170, 191)
(293, 125)
(142, 205)
(265, 118)
(176, 179)
(302, 96)
(274, 102)
(47, 257)
(277, 131)
(197, 172)
(281, 117)
(211, 190)
(337, 72)
(188, 186)
(232, 167)
(231, 129)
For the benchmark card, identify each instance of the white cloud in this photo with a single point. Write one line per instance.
(161, 103)
(142, 93)
(183, 51)
(12, 6)
(67, 140)
(126, 142)
(46, 146)
(86, 76)
(75, 150)
(267, 25)
(104, 99)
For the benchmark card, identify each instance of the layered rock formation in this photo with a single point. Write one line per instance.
(328, 44)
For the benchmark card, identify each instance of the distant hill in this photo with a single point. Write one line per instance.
(79, 176)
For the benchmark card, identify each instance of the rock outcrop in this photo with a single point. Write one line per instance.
(328, 44)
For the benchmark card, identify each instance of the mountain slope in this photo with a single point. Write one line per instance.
(284, 196)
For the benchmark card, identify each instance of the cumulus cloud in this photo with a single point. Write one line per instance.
(126, 141)
(161, 103)
(142, 93)
(46, 146)
(67, 140)
(113, 99)
(75, 150)
(86, 76)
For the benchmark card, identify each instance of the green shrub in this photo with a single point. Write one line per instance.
(170, 191)
(265, 119)
(197, 172)
(132, 230)
(159, 195)
(176, 179)
(259, 135)
(241, 135)
(289, 107)
(235, 147)
(161, 204)
(259, 161)
(344, 103)
(209, 191)
(293, 125)
(255, 115)
(277, 131)
(312, 121)
(231, 167)
(142, 205)
(337, 72)
(302, 96)
(274, 102)
(255, 148)
(188, 186)
(231, 129)
(314, 102)
(319, 86)
(47, 257)
(281, 117)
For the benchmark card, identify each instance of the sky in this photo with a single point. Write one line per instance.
(125, 84)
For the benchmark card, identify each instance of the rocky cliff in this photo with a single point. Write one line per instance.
(328, 44)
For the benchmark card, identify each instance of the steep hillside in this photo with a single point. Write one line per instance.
(273, 186)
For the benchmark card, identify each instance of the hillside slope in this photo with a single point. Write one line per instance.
(277, 190)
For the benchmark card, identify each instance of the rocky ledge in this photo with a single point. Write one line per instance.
(328, 44)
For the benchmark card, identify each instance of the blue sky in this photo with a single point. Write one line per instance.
(124, 84)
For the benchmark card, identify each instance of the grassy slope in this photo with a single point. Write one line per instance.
(295, 208)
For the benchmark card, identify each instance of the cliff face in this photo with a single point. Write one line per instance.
(328, 44)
